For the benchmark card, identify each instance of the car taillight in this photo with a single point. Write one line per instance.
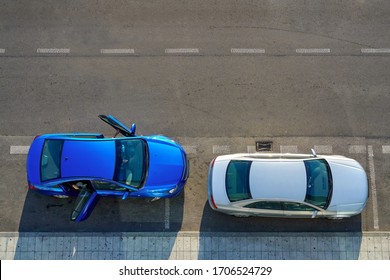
(212, 162)
(32, 187)
(212, 202)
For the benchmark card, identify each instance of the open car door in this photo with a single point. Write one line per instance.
(85, 203)
(124, 130)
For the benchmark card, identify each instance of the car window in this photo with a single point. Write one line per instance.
(237, 180)
(295, 206)
(271, 205)
(51, 159)
(81, 201)
(131, 162)
(103, 186)
(125, 131)
(319, 183)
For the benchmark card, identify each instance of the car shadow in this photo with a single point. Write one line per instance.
(277, 238)
(129, 221)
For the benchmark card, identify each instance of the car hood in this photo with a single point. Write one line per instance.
(166, 163)
(88, 159)
(350, 185)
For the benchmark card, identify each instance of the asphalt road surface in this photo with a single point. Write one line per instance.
(214, 75)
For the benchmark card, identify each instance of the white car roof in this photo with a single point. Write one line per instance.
(283, 179)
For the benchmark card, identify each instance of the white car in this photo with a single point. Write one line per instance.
(287, 185)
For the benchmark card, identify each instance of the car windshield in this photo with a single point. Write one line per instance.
(319, 183)
(51, 159)
(131, 162)
(237, 180)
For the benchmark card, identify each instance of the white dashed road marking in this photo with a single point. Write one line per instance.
(253, 51)
(310, 51)
(373, 186)
(386, 149)
(190, 149)
(2, 50)
(357, 149)
(181, 51)
(53, 51)
(288, 149)
(19, 150)
(375, 50)
(221, 149)
(323, 149)
(117, 51)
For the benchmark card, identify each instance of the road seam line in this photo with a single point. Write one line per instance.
(117, 51)
(182, 51)
(373, 186)
(167, 214)
(247, 51)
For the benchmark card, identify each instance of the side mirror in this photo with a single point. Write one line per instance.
(315, 212)
(133, 128)
(313, 152)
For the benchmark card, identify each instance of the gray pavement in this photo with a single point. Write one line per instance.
(216, 93)
(195, 246)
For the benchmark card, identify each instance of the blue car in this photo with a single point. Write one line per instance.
(89, 165)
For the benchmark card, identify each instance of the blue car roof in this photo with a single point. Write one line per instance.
(88, 159)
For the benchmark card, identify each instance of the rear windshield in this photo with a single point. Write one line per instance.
(237, 180)
(131, 162)
(51, 159)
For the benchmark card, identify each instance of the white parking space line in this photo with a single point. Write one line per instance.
(2, 50)
(311, 51)
(19, 150)
(357, 149)
(117, 51)
(221, 149)
(386, 149)
(373, 186)
(53, 51)
(323, 149)
(247, 51)
(288, 149)
(191, 149)
(369, 50)
(251, 149)
(181, 51)
(167, 213)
